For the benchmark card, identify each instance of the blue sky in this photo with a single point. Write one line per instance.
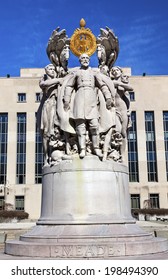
(141, 27)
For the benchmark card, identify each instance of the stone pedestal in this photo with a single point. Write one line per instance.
(85, 213)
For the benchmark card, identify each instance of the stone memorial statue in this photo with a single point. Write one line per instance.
(83, 117)
(84, 110)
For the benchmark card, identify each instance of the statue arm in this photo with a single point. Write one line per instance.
(68, 89)
(105, 90)
(68, 92)
(103, 87)
(122, 85)
(50, 82)
(123, 90)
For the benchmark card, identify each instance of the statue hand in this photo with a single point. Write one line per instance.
(121, 88)
(108, 103)
(66, 106)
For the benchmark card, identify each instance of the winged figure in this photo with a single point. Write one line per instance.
(107, 47)
(58, 50)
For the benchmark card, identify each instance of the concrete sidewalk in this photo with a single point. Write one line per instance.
(17, 225)
(152, 224)
(30, 224)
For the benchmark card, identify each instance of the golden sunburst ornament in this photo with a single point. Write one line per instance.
(83, 40)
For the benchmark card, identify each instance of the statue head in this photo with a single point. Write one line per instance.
(64, 56)
(50, 70)
(104, 69)
(116, 72)
(84, 60)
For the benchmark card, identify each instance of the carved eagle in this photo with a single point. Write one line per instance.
(107, 47)
(58, 48)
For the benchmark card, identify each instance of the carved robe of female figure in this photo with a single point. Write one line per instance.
(47, 111)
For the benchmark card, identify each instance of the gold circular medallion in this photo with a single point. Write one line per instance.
(83, 41)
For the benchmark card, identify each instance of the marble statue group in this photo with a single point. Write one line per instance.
(84, 115)
(83, 110)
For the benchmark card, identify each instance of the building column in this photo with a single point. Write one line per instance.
(30, 149)
(160, 147)
(12, 148)
(141, 146)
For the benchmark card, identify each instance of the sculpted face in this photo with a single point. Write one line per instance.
(84, 60)
(104, 70)
(50, 70)
(116, 72)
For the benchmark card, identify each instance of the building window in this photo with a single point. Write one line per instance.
(132, 95)
(38, 157)
(3, 146)
(21, 149)
(2, 202)
(21, 97)
(151, 147)
(154, 200)
(19, 203)
(135, 201)
(38, 96)
(132, 151)
(165, 126)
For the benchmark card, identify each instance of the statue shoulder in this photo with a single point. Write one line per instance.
(41, 81)
(73, 71)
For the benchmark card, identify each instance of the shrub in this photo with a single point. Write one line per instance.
(19, 215)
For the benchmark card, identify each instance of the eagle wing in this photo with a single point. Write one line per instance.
(109, 45)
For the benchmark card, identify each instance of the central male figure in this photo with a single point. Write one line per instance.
(85, 107)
